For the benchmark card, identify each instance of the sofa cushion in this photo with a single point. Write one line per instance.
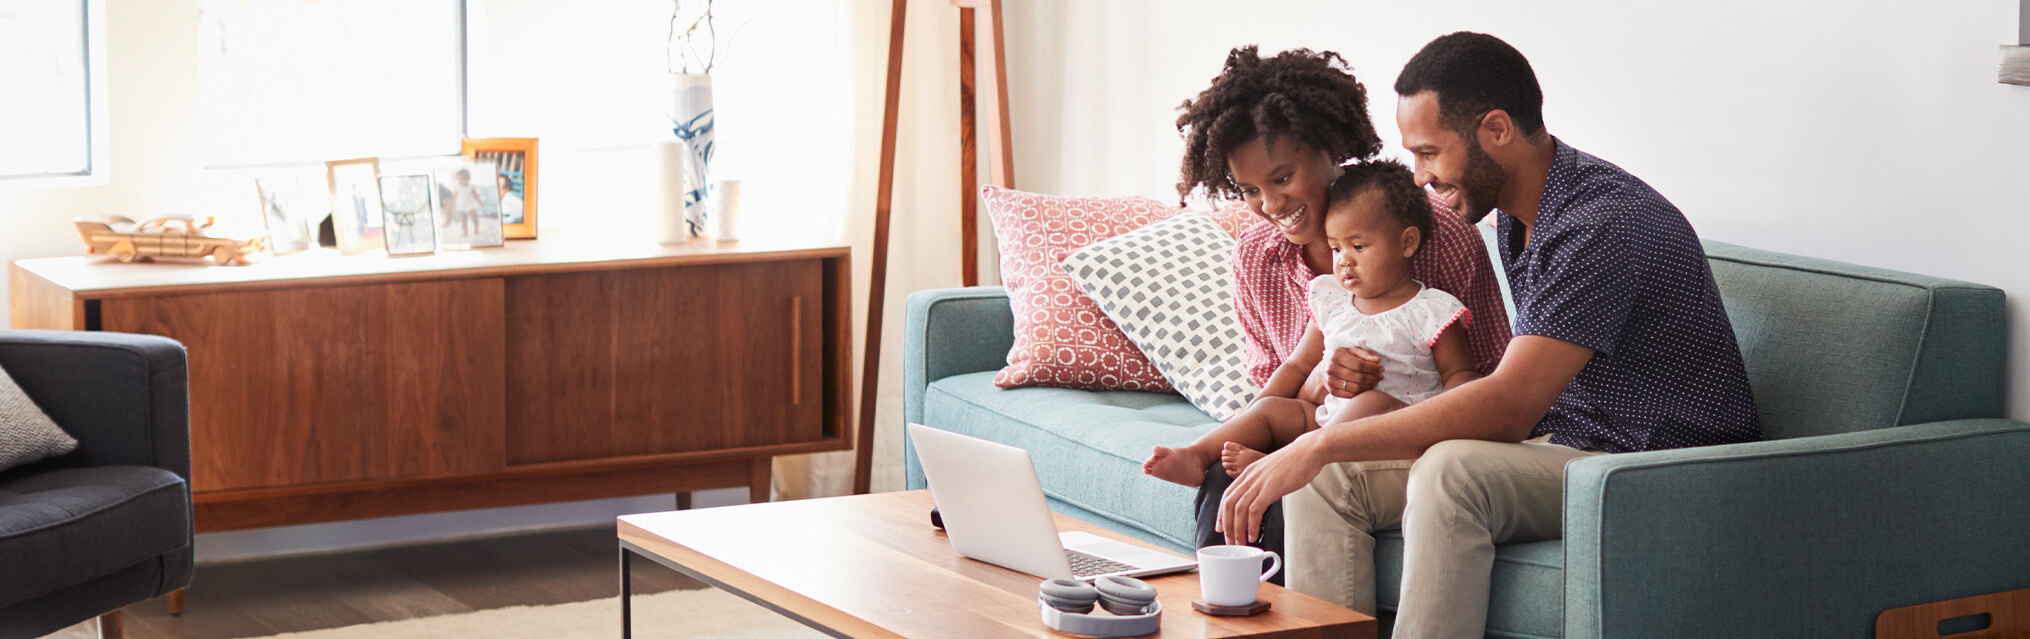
(1088, 446)
(1061, 337)
(26, 433)
(1169, 287)
(1835, 348)
(1529, 586)
(63, 527)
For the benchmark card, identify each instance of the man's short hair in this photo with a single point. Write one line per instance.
(1474, 73)
(1405, 201)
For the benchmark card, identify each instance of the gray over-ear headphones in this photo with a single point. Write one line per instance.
(1132, 601)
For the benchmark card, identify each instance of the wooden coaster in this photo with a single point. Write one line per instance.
(1260, 606)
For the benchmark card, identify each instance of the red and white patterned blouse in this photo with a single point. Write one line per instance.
(1272, 283)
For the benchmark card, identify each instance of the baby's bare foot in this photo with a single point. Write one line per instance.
(1235, 458)
(1184, 465)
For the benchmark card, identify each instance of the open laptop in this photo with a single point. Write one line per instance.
(993, 511)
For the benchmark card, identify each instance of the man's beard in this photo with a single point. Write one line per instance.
(1481, 185)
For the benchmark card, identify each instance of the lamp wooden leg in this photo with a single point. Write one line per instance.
(760, 481)
(112, 625)
(176, 603)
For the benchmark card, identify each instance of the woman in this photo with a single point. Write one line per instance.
(1273, 132)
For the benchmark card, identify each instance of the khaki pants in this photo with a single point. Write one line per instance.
(1453, 505)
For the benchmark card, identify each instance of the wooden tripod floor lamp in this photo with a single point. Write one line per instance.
(1000, 170)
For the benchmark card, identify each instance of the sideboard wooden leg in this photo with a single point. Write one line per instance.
(112, 625)
(761, 482)
(683, 501)
(176, 603)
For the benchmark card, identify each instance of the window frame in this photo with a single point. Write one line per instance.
(98, 169)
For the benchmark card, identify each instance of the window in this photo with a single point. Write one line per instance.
(53, 116)
(302, 81)
(288, 84)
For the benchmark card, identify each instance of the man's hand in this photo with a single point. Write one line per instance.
(1345, 372)
(1268, 479)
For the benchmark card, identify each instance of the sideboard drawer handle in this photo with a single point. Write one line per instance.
(796, 350)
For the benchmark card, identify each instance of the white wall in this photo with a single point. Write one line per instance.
(1868, 131)
(157, 152)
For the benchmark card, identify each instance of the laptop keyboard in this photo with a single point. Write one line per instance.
(1084, 565)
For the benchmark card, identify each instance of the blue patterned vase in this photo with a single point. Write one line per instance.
(691, 121)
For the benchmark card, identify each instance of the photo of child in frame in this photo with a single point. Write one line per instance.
(468, 211)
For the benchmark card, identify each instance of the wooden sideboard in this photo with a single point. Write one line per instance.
(327, 387)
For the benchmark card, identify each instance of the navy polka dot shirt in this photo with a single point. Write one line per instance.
(1614, 267)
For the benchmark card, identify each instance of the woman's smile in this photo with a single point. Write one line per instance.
(1291, 222)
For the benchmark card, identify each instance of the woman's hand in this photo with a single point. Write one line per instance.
(1343, 373)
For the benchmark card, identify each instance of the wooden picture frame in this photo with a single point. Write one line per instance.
(515, 159)
(356, 216)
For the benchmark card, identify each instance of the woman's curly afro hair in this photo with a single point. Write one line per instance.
(1301, 95)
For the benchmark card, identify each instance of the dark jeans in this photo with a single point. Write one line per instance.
(1207, 507)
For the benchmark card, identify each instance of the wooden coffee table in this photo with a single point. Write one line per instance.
(872, 566)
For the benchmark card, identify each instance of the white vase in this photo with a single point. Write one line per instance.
(691, 118)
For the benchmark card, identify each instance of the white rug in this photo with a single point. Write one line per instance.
(692, 614)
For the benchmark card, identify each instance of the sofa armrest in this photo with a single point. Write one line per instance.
(1802, 537)
(952, 331)
(124, 397)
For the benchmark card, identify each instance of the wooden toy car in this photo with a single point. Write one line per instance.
(173, 235)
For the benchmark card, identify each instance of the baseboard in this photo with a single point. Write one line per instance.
(365, 534)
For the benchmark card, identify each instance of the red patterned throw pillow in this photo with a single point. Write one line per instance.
(1062, 338)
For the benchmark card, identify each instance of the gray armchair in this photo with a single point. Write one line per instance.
(109, 524)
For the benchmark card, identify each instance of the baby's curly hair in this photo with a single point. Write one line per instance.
(1311, 97)
(1406, 202)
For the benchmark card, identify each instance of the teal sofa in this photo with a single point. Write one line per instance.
(1887, 476)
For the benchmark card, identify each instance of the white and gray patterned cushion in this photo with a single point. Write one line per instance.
(1169, 286)
(26, 434)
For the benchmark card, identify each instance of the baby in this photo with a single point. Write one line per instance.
(1376, 219)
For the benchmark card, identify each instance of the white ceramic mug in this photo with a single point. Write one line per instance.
(1231, 575)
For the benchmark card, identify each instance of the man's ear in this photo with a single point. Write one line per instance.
(1496, 129)
(1413, 237)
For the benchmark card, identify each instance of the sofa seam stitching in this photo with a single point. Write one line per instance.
(93, 512)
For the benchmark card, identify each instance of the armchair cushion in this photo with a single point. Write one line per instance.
(26, 434)
(65, 526)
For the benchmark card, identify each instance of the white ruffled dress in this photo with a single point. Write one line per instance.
(1402, 336)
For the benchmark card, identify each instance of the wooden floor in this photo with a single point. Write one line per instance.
(265, 597)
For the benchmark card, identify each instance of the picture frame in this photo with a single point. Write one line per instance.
(356, 215)
(468, 215)
(288, 227)
(515, 161)
(408, 203)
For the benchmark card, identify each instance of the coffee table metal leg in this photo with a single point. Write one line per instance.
(626, 607)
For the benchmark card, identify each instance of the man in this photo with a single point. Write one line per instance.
(1620, 345)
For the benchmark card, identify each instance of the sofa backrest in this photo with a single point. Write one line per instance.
(1834, 347)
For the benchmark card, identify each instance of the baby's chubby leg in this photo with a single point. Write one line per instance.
(1264, 424)
(1292, 418)
(1235, 458)
(1367, 404)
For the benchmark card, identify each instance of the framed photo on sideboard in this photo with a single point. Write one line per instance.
(514, 160)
